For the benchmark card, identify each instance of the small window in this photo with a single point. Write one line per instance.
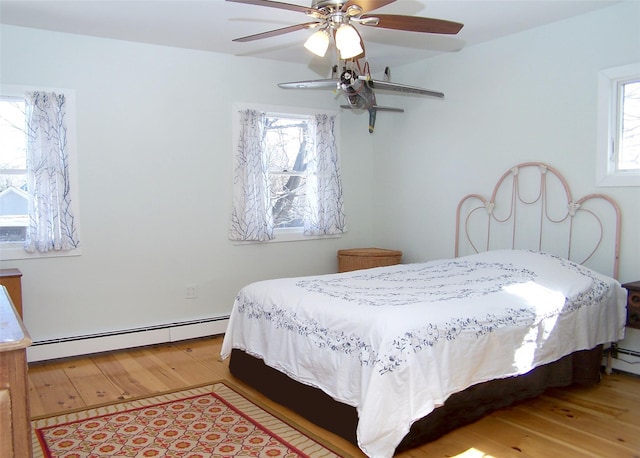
(38, 182)
(286, 182)
(619, 126)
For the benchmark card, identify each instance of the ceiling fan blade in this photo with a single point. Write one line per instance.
(272, 4)
(367, 5)
(276, 32)
(415, 24)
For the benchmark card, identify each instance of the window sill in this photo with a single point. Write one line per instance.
(619, 179)
(289, 236)
(15, 251)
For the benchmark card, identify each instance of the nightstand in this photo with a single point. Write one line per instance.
(633, 304)
(366, 258)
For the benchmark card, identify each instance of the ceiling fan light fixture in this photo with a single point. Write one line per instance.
(348, 41)
(318, 43)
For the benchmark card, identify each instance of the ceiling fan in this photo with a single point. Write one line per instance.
(337, 17)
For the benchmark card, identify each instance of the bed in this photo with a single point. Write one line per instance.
(393, 357)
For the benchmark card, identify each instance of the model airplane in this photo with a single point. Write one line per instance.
(358, 90)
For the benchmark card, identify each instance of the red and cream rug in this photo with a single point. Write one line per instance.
(208, 421)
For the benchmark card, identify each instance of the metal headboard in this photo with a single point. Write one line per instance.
(532, 208)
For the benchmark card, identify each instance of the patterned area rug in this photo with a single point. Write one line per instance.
(209, 421)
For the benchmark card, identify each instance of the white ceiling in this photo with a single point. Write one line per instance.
(210, 25)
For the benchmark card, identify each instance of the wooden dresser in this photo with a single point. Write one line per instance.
(15, 426)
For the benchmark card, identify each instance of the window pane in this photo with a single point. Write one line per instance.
(13, 168)
(13, 154)
(288, 148)
(629, 151)
(286, 140)
(288, 199)
(10, 233)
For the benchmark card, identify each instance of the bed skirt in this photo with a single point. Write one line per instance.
(462, 408)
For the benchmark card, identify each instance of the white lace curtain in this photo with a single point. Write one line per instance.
(251, 218)
(324, 213)
(51, 221)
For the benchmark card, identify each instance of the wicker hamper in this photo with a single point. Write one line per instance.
(366, 258)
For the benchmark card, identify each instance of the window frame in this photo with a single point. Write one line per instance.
(15, 250)
(609, 126)
(282, 234)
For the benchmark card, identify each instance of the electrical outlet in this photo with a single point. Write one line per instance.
(192, 292)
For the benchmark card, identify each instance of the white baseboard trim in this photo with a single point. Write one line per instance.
(118, 340)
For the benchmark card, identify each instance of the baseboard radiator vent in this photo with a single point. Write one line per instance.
(626, 360)
(127, 338)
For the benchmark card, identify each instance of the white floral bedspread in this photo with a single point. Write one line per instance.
(395, 342)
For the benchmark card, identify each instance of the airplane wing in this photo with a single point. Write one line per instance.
(311, 84)
(397, 110)
(388, 86)
(375, 107)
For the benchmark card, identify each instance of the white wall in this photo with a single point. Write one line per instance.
(526, 97)
(155, 167)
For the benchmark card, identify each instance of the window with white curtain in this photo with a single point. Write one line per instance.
(38, 194)
(287, 183)
(619, 126)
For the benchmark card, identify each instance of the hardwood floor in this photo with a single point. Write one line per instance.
(600, 421)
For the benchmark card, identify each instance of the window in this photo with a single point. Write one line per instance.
(38, 213)
(619, 126)
(286, 176)
(289, 149)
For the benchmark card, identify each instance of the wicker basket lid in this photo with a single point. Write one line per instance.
(369, 252)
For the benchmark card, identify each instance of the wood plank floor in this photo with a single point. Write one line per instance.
(600, 421)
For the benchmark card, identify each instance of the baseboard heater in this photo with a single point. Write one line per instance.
(626, 360)
(626, 351)
(126, 338)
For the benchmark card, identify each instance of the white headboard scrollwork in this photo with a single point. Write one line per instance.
(532, 208)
